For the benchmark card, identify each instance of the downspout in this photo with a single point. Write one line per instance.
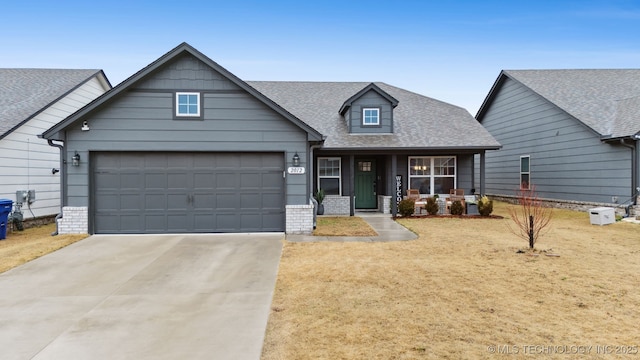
(63, 181)
(634, 168)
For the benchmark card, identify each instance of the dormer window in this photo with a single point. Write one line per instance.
(187, 104)
(370, 116)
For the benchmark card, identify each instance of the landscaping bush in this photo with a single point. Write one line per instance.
(457, 208)
(485, 206)
(432, 206)
(406, 207)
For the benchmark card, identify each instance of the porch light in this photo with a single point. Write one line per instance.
(296, 159)
(75, 160)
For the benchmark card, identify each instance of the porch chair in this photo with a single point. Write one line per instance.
(420, 203)
(456, 195)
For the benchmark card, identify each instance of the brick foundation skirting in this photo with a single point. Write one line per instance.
(570, 204)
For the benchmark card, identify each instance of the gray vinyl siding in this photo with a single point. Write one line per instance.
(568, 160)
(464, 173)
(142, 120)
(371, 99)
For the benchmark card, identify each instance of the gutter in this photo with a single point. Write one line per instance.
(634, 167)
(63, 181)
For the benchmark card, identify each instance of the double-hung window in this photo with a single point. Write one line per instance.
(432, 175)
(525, 172)
(329, 175)
(187, 104)
(370, 116)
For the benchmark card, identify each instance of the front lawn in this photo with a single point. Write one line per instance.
(461, 291)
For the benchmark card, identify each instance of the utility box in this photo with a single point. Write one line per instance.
(602, 216)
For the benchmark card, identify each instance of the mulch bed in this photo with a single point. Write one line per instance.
(448, 216)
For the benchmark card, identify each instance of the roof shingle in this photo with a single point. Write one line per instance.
(419, 121)
(25, 92)
(606, 100)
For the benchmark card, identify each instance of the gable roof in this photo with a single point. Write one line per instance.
(160, 62)
(24, 93)
(419, 122)
(371, 87)
(605, 100)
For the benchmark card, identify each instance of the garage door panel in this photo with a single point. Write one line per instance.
(187, 192)
(177, 180)
(130, 202)
(155, 181)
(155, 201)
(204, 181)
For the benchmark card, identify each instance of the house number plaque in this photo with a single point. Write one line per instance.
(296, 170)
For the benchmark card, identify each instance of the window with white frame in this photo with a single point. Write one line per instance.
(370, 116)
(525, 172)
(188, 104)
(329, 175)
(432, 174)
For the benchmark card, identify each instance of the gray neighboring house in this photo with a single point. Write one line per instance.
(185, 146)
(574, 134)
(32, 100)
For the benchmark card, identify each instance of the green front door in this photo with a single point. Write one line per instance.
(366, 184)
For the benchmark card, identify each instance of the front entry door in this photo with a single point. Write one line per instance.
(365, 184)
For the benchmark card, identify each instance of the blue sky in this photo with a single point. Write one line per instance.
(449, 50)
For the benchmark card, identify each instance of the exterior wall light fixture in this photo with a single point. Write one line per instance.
(296, 159)
(75, 160)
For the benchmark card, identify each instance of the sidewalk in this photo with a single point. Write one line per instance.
(383, 224)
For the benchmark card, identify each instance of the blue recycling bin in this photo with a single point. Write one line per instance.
(5, 209)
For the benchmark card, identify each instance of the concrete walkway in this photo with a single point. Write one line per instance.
(142, 297)
(383, 224)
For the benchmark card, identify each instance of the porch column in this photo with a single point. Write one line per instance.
(352, 185)
(482, 175)
(394, 170)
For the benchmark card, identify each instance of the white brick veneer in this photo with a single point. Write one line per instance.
(384, 204)
(299, 219)
(336, 205)
(75, 220)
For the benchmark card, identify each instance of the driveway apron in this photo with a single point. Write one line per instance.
(142, 297)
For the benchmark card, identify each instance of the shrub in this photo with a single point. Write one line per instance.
(485, 206)
(457, 208)
(432, 206)
(406, 207)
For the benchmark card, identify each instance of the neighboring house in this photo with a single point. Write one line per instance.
(574, 134)
(31, 101)
(185, 146)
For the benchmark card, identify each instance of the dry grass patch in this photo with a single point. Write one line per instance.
(22, 246)
(342, 226)
(458, 289)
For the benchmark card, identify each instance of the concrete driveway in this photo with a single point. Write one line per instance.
(142, 297)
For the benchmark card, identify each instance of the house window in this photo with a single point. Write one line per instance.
(188, 104)
(329, 175)
(525, 172)
(370, 116)
(432, 175)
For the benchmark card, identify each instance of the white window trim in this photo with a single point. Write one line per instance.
(431, 176)
(377, 117)
(525, 172)
(339, 177)
(178, 114)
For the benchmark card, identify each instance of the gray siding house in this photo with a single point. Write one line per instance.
(574, 134)
(185, 146)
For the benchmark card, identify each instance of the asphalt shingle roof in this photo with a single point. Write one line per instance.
(606, 100)
(419, 121)
(25, 92)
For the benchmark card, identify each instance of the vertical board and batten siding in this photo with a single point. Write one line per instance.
(27, 160)
(373, 100)
(568, 160)
(142, 119)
